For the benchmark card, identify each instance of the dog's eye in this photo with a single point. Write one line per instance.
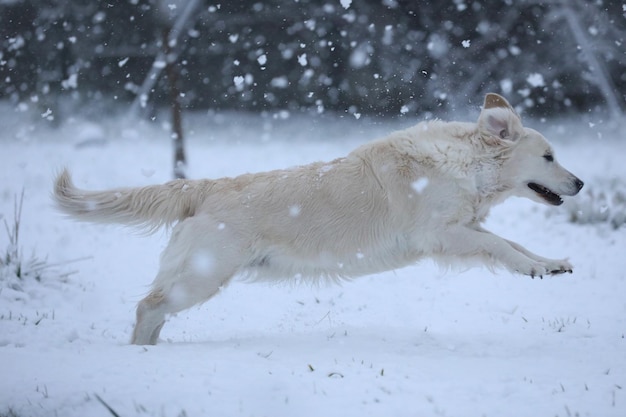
(548, 157)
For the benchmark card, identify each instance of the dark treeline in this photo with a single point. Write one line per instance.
(383, 57)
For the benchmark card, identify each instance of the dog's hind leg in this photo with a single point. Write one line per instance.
(151, 313)
(186, 292)
(194, 266)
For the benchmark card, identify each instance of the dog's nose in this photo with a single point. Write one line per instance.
(579, 184)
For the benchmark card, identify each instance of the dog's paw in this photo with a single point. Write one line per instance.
(559, 267)
(534, 268)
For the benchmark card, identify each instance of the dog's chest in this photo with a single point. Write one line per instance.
(454, 198)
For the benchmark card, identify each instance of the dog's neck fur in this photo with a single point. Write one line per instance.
(488, 188)
(486, 168)
(489, 168)
(491, 185)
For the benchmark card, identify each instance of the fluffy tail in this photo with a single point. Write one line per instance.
(148, 207)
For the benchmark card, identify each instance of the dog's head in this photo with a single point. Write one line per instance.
(530, 168)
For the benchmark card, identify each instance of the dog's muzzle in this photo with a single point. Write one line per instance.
(550, 196)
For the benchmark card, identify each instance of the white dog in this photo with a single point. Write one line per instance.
(420, 192)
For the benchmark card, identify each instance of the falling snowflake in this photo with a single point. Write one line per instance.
(420, 185)
(535, 80)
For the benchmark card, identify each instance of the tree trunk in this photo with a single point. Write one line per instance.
(171, 70)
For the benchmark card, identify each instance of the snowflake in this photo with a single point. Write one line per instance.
(535, 80)
(345, 3)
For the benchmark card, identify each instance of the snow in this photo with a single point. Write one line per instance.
(420, 185)
(506, 85)
(535, 80)
(361, 56)
(71, 82)
(413, 342)
(294, 210)
(437, 45)
(48, 114)
(239, 81)
(280, 82)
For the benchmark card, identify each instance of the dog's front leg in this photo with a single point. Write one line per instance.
(555, 266)
(466, 241)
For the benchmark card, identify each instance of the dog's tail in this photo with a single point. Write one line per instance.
(148, 208)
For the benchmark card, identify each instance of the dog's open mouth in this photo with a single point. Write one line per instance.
(546, 194)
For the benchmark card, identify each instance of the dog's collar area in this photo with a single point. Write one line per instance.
(545, 193)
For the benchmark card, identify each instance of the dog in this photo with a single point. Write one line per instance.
(420, 192)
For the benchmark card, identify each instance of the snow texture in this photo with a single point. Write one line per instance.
(413, 342)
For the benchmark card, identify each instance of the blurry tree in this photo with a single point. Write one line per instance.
(385, 57)
(573, 13)
(173, 18)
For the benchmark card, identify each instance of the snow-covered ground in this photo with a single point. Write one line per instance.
(414, 342)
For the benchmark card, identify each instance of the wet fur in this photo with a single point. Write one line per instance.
(420, 192)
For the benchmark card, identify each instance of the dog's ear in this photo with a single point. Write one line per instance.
(493, 100)
(498, 120)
